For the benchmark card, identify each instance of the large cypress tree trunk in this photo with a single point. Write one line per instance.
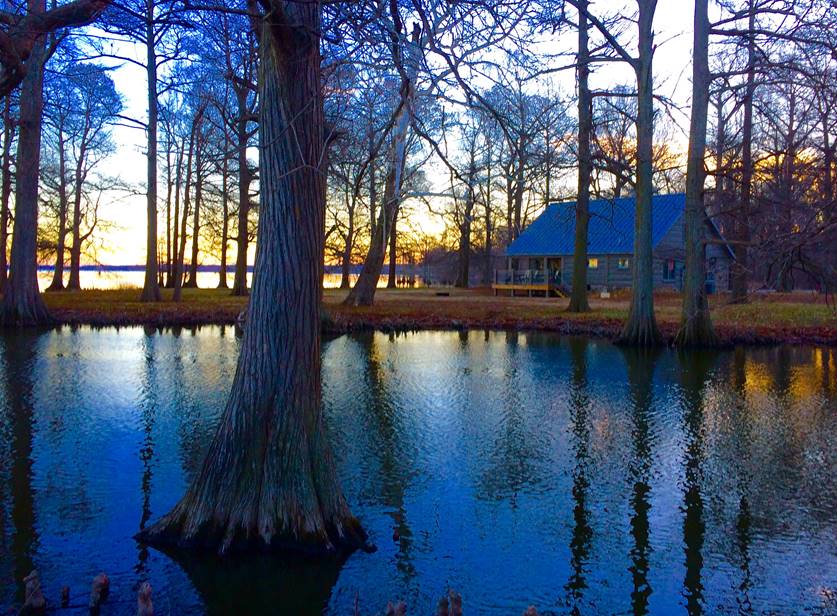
(268, 480)
(22, 302)
(244, 178)
(641, 327)
(6, 191)
(578, 297)
(695, 322)
(151, 287)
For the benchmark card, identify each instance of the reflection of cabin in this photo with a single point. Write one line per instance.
(540, 260)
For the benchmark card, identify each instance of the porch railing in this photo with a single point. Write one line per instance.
(526, 277)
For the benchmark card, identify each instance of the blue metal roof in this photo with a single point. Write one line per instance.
(611, 228)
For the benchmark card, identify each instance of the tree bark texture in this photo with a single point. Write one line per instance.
(641, 326)
(268, 481)
(695, 322)
(578, 294)
(151, 287)
(22, 302)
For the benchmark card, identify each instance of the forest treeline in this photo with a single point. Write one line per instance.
(485, 142)
(322, 129)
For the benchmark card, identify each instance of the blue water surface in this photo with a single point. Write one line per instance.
(514, 468)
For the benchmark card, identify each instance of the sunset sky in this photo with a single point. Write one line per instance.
(125, 242)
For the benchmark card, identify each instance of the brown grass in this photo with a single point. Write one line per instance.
(794, 318)
(122, 307)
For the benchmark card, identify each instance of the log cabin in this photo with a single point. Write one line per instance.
(540, 260)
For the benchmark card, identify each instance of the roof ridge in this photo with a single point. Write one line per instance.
(614, 199)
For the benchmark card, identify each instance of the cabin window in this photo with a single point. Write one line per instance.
(592, 263)
(623, 263)
(669, 270)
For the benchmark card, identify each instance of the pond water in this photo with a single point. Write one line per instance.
(516, 468)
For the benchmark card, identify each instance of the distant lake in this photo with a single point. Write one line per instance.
(517, 469)
(133, 276)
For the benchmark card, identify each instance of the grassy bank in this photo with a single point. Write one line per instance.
(793, 318)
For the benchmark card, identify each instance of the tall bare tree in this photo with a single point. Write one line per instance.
(695, 322)
(268, 480)
(82, 107)
(404, 53)
(578, 297)
(22, 303)
(153, 24)
(23, 54)
(740, 273)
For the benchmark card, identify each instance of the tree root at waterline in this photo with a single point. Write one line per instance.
(24, 310)
(641, 332)
(696, 332)
(263, 490)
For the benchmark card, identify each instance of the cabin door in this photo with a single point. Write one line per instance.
(554, 268)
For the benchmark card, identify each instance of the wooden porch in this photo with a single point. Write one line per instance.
(528, 282)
